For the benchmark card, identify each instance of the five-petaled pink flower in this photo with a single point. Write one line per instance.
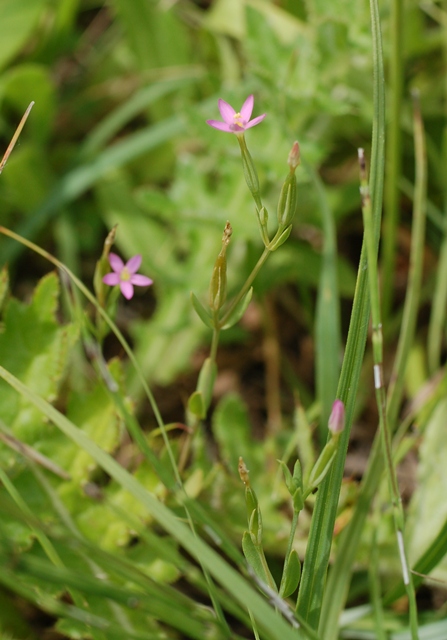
(126, 275)
(236, 122)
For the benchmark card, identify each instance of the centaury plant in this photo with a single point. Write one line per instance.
(120, 522)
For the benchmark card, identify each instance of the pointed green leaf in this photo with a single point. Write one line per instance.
(201, 311)
(291, 577)
(239, 310)
(253, 556)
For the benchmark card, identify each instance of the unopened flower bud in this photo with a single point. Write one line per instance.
(336, 422)
(294, 158)
(287, 201)
(218, 285)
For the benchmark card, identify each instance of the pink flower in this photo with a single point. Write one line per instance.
(235, 122)
(337, 418)
(125, 275)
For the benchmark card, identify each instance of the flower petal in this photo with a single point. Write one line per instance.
(134, 264)
(226, 111)
(255, 121)
(247, 108)
(111, 279)
(222, 126)
(126, 289)
(139, 280)
(115, 262)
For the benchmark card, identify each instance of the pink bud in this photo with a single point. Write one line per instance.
(294, 158)
(336, 422)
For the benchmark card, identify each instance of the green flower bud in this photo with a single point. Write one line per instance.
(263, 217)
(287, 201)
(322, 465)
(280, 238)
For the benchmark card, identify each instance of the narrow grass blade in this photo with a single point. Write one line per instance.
(327, 326)
(393, 154)
(340, 574)
(320, 539)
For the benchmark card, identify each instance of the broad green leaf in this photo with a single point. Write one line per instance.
(36, 348)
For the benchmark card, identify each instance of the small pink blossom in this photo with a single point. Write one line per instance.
(236, 122)
(126, 275)
(337, 418)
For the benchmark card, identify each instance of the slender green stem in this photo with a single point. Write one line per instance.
(256, 269)
(374, 582)
(393, 167)
(214, 342)
(415, 271)
(437, 318)
(377, 340)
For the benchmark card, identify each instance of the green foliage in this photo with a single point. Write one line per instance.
(36, 348)
(99, 500)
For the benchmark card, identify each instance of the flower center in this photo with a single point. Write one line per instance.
(125, 274)
(238, 120)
